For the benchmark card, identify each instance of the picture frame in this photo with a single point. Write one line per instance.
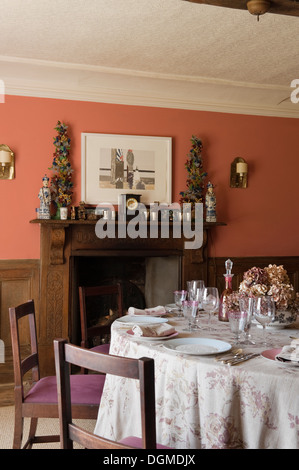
(112, 165)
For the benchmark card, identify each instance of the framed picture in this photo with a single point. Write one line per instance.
(112, 165)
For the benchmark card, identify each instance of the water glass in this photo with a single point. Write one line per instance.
(264, 313)
(246, 306)
(237, 322)
(179, 297)
(190, 308)
(210, 302)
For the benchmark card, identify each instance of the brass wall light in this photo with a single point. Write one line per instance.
(238, 173)
(7, 163)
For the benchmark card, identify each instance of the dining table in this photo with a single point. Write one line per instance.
(202, 402)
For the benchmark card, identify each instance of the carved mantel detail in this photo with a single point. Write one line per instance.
(54, 305)
(57, 245)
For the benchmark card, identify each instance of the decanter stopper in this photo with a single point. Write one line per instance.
(228, 267)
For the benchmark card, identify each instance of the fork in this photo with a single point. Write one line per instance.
(243, 358)
(230, 355)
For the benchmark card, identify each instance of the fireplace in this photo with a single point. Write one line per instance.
(146, 282)
(72, 254)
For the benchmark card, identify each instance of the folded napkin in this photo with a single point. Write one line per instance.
(162, 329)
(160, 310)
(290, 352)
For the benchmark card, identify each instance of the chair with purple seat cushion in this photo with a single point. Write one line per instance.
(139, 369)
(40, 401)
(92, 300)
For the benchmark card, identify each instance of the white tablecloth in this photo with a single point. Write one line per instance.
(201, 403)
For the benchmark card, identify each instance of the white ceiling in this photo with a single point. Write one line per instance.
(168, 53)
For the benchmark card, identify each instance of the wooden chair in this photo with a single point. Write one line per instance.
(96, 293)
(40, 401)
(139, 369)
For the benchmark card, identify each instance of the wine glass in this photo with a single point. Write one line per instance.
(210, 302)
(189, 311)
(264, 312)
(195, 289)
(246, 306)
(195, 292)
(179, 297)
(237, 322)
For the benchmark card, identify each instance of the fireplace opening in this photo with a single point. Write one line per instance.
(147, 281)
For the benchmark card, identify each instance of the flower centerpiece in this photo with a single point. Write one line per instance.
(61, 184)
(196, 175)
(273, 281)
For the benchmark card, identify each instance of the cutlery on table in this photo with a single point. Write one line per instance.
(230, 355)
(241, 359)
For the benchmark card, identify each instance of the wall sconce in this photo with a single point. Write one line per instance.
(238, 173)
(7, 163)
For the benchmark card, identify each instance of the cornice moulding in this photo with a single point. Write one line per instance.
(80, 82)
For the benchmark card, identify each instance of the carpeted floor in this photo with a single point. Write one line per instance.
(45, 426)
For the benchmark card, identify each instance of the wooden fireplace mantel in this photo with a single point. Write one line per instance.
(61, 240)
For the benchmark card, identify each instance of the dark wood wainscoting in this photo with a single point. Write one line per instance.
(19, 282)
(216, 269)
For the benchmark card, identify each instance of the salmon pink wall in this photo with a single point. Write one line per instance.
(261, 220)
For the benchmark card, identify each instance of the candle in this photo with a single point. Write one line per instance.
(5, 156)
(241, 168)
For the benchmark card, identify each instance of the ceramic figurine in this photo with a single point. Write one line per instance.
(73, 213)
(210, 203)
(45, 199)
(81, 211)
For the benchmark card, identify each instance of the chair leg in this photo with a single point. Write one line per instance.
(18, 431)
(32, 432)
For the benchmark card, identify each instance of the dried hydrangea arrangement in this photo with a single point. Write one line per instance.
(272, 280)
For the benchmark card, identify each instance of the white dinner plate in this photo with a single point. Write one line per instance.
(152, 314)
(197, 346)
(275, 324)
(151, 338)
(171, 308)
(140, 320)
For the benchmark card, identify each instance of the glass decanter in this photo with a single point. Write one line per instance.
(223, 309)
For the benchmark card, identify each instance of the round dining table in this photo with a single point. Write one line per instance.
(202, 403)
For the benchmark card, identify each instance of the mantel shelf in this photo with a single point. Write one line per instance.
(65, 223)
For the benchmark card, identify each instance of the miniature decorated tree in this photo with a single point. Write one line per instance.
(196, 175)
(61, 184)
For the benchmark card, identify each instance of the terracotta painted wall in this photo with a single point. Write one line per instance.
(261, 220)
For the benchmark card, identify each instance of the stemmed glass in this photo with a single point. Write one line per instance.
(246, 306)
(210, 302)
(264, 312)
(237, 322)
(179, 297)
(195, 290)
(189, 311)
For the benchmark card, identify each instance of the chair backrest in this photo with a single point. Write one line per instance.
(23, 365)
(111, 292)
(139, 369)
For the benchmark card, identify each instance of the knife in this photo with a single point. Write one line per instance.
(242, 359)
(233, 354)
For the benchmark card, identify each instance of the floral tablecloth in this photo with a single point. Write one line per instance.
(202, 403)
